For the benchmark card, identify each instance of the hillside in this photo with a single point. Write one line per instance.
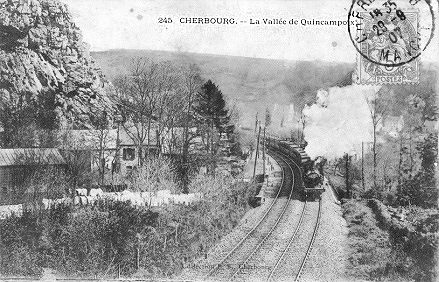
(46, 72)
(251, 83)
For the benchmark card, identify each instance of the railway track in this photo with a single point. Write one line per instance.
(233, 260)
(269, 241)
(311, 243)
(291, 264)
(274, 251)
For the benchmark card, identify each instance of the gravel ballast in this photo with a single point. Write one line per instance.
(327, 259)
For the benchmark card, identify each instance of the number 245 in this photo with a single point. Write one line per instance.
(165, 20)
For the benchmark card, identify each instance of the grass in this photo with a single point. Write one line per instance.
(371, 256)
(113, 238)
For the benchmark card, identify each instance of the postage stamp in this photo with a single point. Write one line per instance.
(389, 42)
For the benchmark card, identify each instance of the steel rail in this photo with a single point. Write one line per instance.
(292, 238)
(217, 266)
(290, 241)
(261, 243)
(311, 243)
(308, 250)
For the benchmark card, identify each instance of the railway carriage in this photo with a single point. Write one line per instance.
(311, 177)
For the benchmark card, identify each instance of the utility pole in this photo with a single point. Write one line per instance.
(348, 188)
(263, 154)
(259, 134)
(362, 165)
(256, 122)
(256, 155)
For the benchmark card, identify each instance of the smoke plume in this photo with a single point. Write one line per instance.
(339, 121)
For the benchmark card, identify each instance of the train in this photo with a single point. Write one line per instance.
(311, 176)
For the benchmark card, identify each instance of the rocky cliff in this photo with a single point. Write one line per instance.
(42, 54)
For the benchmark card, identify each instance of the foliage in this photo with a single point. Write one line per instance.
(211, 105)
(78, 168)
(190, 86)
(156, 100)
(155, 174)
(24, 118)
(419, 188)
(144, 95)
(267, 117)
(370, 254)
(422, 246)
(46, 182)
(193, 230)
(19, 244)
(415, 238)
(395, 164)
(102, 124)
(88, 241)
(210, 108)
(112, 237)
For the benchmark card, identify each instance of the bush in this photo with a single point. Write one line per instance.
(113, 237)
(192, 230)
(371, 256)
(19, 244)
(412, 244)
(421, 242)
(88, 241)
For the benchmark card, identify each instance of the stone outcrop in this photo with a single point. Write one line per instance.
(41, 52)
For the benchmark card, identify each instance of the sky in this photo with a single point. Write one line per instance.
(133, 24)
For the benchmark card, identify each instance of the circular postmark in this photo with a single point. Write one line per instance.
(389, 33)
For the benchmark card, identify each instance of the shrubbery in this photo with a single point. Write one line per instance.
(115, 237)
(371, 256)
(418, 238)
(87, 241)
(394, 251)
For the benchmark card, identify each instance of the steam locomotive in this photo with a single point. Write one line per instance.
(312, 178)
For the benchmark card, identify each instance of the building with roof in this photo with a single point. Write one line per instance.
(16, 165)
(119, 148)
(106, 148)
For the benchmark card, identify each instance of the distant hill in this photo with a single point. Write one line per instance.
(251, 83)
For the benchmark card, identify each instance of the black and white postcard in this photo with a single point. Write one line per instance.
(222, 140)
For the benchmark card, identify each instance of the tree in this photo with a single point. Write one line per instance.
(426, 177)
(18, 120)
(141, 96)
(168, 117)
(38, 177)
(420, 189)
(78, 159)
(267, 117)
(210, 109)
(348, 160)
(190, 87)
(233, 138)
(302, 121)
(103, 137)
(409, 148)
(378, 110)
(27, 120)
(155, 174)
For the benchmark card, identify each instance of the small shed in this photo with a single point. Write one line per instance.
(17, 164)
